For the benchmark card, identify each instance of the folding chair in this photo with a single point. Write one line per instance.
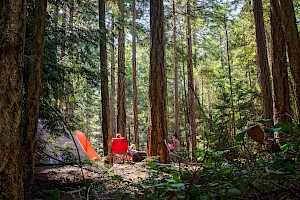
(120, 150)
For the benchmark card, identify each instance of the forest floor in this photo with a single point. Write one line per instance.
(100, 181)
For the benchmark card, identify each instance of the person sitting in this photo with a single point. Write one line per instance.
(132, 149)
(119, 135)
(175, 146)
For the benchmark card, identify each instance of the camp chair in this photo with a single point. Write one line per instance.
(120, 150)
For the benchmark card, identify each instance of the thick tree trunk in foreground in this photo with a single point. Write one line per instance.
(157, 122)
(262, 65)
(121, 118)
(293, 46)
(106, 129)
(134, 84)
(281, 96)
(12, 39)
(191, 95)
(32, 95)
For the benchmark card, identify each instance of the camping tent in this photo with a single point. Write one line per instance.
(61, 147)
(84, 142)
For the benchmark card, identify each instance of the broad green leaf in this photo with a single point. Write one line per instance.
(263, 120)
(272, 130)
(176, 176)
(153, 165)
(285, 147)
(234, 191)
(159, 185)
(208, 164)
(284, 127)
(177, 185)
(242, 134)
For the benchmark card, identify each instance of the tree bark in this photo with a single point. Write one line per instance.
(121, 118)
(176, 107)
(12, 39)
(112, 82)
(281, 98)
(32, 95)
(262, 65)
(191, 97)
(134, 84)
(106, 129)
(157, 122)
(293, 47)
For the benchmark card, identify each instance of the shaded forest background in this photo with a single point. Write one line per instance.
(89, 65)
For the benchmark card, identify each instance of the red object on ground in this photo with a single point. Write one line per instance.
(86, 145)
(119, 145)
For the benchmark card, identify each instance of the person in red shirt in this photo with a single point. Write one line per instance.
(175, 146)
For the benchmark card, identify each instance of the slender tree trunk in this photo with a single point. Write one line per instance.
(230, 78)
(191, 97)
(70, 101)
(262, 65)
(12, 39)
(134, 84)
(281, 97)
(176, 107)
(112, 82)
(32, 95)
(106, 129)
(293, 46)
(186, 114)
(157, 122)
(121, 119)
(248, 74)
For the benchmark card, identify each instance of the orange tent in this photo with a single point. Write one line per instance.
(86, 145)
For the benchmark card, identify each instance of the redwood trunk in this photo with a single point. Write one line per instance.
(293, 46)
(134, 84)
(32, 95)
(12, 39)
(106, 129)
(176, 107)
(121, 118)
(262, 65)
(281, 96)
(157, 122)
(191, 97)
(112, 83)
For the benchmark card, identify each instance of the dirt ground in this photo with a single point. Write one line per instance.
(97, 182)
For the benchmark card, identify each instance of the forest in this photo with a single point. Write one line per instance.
(222, 76)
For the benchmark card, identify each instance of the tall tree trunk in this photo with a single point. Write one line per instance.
(106, 129)
(191, 97)
(12, 39)
(253, 110)
(293, 46)
(121, 118)
(134, 84)
(281, 97)
(176, 107)
(70, 101)
(32, 95)
(157, 122)
(186, 114)
(230, 78)
(262, 65)
(112, 82)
